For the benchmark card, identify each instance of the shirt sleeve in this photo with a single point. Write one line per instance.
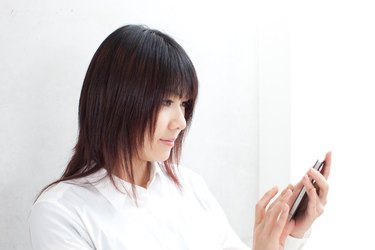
(53, 227)
(292, 243)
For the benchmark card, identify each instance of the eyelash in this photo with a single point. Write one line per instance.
(167, 103)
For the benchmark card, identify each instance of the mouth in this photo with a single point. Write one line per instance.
(168, 142)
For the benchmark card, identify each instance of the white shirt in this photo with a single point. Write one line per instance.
(90, 213)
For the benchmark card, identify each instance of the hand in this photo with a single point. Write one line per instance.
(270, 230)
(317, 198)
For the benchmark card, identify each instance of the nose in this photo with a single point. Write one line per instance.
(178, 122)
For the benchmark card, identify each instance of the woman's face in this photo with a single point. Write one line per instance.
(170, 122)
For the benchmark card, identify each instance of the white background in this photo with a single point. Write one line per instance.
(333, 108)
(45, 49)
(281, 83)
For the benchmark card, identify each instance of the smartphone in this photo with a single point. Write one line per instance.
(300, 204)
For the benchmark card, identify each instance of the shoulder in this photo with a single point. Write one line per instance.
(67, 196)
(66, 191)
(63, 205)
(55, 208)
(58, 201)
(57, 215)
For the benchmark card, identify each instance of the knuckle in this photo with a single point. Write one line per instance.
(259, 205)
(324, 201)
(268, 193)
(320, 210)
(276, 208)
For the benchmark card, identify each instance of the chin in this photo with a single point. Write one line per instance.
(165, 156)
(161, 156)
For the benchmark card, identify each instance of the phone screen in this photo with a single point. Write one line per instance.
(300, 203)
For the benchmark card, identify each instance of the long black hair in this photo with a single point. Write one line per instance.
(131, 73)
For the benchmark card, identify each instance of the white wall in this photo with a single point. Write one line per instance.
(45, 48)
(333, 107)
(274, 93)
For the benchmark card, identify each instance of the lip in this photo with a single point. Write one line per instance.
(168, 142)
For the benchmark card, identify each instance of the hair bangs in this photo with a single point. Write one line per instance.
(180, 82)
(180, 78)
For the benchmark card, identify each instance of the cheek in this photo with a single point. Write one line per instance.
(155, 152)
(148, 144)
(162, 121)
(151, 148)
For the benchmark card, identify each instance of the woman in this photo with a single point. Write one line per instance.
(123, 189)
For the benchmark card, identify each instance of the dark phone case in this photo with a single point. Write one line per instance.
(300, 204)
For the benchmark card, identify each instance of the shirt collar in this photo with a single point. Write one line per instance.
(154, 172)
(117, 196)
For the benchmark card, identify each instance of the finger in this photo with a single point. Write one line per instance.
(307, 182)
(272, 214)
(312, 204)
(321, 184)
(312, 195)
(327, 165)
(289, 187)
(295, 191)
(319, 208)
(281, 222)
(260, 207)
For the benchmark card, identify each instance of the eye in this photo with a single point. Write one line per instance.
(167, 102)
(186, 104)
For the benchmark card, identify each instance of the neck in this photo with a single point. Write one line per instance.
(141, 172)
